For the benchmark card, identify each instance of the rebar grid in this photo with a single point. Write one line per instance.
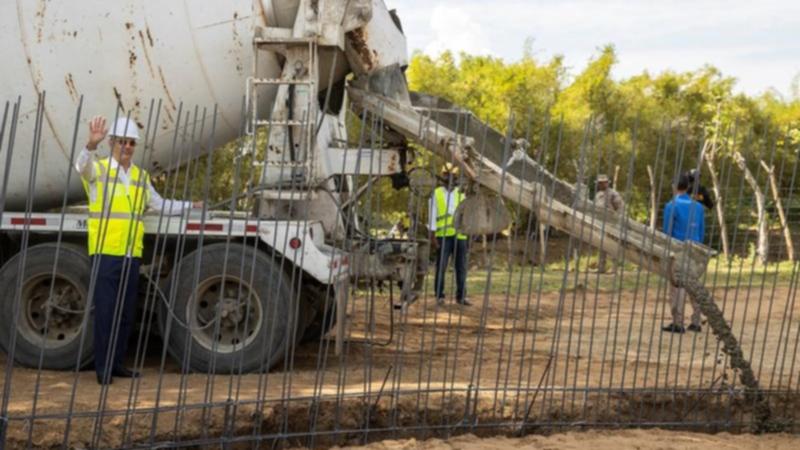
(549, 342)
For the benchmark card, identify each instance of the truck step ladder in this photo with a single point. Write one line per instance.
(290, 123)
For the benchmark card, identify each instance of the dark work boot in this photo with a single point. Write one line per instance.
(673, 328)
(103, 380)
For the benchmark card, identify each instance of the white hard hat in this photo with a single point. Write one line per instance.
(125, 128)
(449, 169)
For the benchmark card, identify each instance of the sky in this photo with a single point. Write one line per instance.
(755, 41)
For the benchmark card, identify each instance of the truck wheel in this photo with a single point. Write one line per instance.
(48, 327)
(229, 316)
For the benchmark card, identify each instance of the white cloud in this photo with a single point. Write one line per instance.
(456, 30)
(753, 41)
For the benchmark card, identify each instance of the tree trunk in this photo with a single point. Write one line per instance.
(723, 227)
(710, 155)
(616, 176)
(762, 247)
(653, 210)
(787, 233)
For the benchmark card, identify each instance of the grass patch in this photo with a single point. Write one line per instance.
(514, 278)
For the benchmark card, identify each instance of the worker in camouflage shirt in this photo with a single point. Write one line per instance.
(606, 197)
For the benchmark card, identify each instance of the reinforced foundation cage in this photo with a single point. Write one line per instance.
(549, 342)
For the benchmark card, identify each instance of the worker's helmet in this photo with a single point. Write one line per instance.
(406, 222)
(693, 175)
(449, 169)
(602, 178)
(125, 128)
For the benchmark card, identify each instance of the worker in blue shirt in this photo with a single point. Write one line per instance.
(683, 220)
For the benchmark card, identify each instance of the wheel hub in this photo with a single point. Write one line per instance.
(52, 310)
(231, 310)
(225, 315)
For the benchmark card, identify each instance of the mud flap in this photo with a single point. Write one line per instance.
(341, 291)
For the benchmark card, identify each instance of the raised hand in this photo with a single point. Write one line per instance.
(97, 132)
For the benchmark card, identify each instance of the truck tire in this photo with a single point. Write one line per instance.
(234, 317)
(48, 329)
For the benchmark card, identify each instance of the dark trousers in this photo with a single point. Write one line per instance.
(457, 247)
(115, 294)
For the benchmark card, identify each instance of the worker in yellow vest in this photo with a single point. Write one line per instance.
(443, 235)
(119, 192)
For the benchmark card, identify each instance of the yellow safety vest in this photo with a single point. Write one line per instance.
(445, 227)
(116, 225)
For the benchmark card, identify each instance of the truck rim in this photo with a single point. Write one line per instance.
(56, 319)
(234, 305)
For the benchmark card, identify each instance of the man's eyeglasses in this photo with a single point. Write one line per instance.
(126, 142)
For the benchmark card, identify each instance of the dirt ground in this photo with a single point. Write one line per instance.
(600, 440)
(575, 357)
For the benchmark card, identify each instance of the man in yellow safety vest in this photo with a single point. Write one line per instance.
(119, 192)
(444, 237)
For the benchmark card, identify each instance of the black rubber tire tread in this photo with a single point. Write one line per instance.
(269, 283)
(73, 264)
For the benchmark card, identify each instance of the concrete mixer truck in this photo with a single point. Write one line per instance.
(235, 290)
(232, 290)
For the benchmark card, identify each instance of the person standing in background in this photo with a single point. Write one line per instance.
(684, 221)
(698, 191)
(609, 199)
(444, 238)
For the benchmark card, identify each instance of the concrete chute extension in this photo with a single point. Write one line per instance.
(561, 205)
